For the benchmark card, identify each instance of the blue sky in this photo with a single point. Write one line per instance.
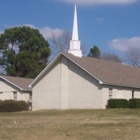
(112, 25)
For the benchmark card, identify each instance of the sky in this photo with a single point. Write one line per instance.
(112, 25)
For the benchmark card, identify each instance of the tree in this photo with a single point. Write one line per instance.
(111, 57)
(94, 52)
(133, 56)
(60, 43)
(24, 51)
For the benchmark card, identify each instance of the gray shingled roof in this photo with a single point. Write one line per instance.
(110, 73)
(106, 72)
(19, 82)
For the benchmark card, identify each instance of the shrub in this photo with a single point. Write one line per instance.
(22, 106)
(1, 101)
(134, 103)
(13, 106)
(117, 103)
(1, 104)
(7, 106)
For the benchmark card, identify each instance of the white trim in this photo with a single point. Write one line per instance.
(53, 61)
(101, 82)
(58, 56)
(44, 70)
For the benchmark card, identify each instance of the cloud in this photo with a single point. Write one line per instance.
(99, 2)
(48, 32)
(123, 44)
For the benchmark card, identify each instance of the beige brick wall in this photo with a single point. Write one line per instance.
(64, 83)
(66, 86)
(121, 93)
(105, 92)
(136, 94)
(6, 92)
(46, 93)
(84, 91)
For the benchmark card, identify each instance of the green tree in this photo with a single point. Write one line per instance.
(24, 51)
(94, 52)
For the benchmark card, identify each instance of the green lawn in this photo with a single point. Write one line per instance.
(122, 124)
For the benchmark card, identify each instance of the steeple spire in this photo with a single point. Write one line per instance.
(75, 43)
(75, 26)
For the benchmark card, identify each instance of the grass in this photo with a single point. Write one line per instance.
(122, 124)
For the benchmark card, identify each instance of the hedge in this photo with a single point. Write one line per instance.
(117, 103)
(134, 103)
(13, 106)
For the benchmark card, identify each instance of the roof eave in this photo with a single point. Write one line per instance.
(108, 84)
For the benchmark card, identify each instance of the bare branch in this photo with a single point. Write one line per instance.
(60, 43)
(111, 57)
(133, 56)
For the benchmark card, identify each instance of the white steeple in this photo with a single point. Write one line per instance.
(75, 26)
(75, 42)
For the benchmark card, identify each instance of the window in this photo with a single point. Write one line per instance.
(15, 95)
(110, 92)
(132, 94)
(30, 97)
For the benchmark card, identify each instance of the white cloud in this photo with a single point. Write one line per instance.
(47, 32)
(123, 44)
(99, 2)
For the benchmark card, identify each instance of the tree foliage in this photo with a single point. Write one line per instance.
(94, 52)
(24, 51)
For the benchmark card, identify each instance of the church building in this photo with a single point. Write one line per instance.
(73, 81)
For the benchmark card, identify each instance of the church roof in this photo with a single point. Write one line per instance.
(105, 72)
(18, 82)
